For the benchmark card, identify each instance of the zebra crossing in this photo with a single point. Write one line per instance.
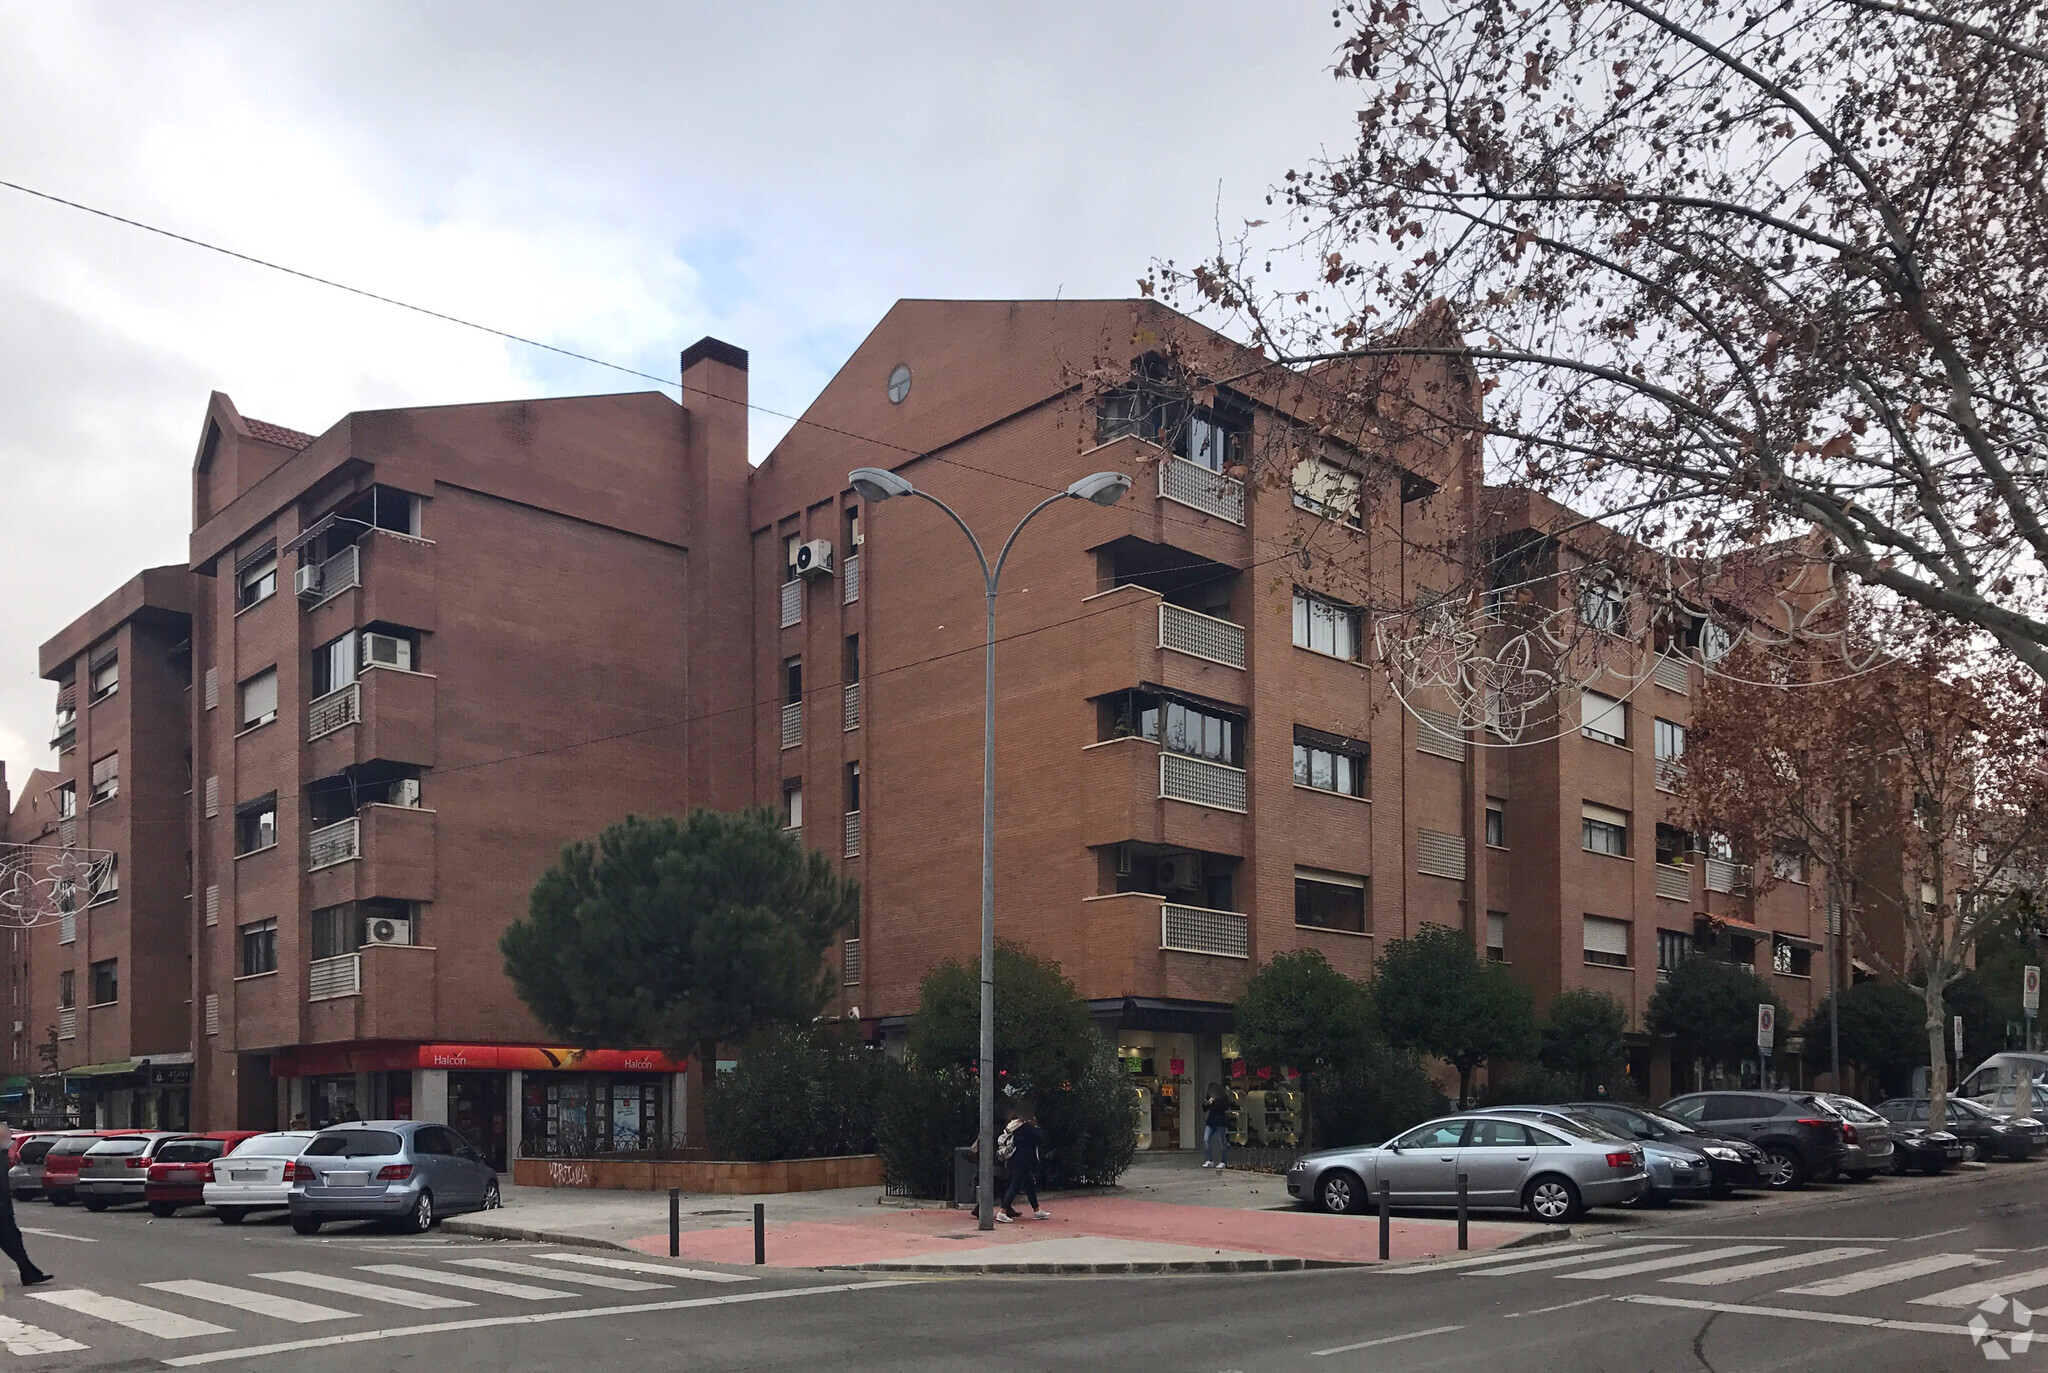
(70, 1319)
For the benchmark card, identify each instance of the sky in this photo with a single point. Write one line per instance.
(615, 179)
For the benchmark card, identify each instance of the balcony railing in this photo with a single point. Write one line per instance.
(1723, 875)
(1194, 485)
(339, 573)
(335, 710)
(67, 928)
(1672, 674)
(795, 832)
(849, 964)
(850, 707)
(1182, 778)
(336, 843)
(1670, 774)
(853, 834)
(1674, 881)
(793, 724)
(1191, 929)
(850, 577)
(67, 831)
(67, 1023)
(1202, 636)
(792, 603)
(328, 978)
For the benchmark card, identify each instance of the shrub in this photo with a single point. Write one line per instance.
(1043, 1030)
(797, 1093)
(1090, 1124)
(1371, 1100)
(922, 1115)
(1531, 1087)
(1299, 1012)
(1582, 1039)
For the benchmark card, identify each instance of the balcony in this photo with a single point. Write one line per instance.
(384, 715)
(67, 832)
(336, 710)
(327, 978)
(1199, 511)
(1201, 782)
(1724, 875)
(1670, 774)
(1201, 636)
(67, 1022)
(852, 849)
(793, 724)
(385, 577)
(1192, 484)
(381, 851)
(1674, 881)
(849, 577)
(849, 707)
(1138, 945)
(67, 928)
(1123, 798)
(792, 603)
(1130, 636)
(1673, 674)
(383, 991)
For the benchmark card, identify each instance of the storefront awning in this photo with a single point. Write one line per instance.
(1733, 926)
(126, 1065)
(1797, 941)
(329, 1059)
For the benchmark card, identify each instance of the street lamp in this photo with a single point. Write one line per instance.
(877, 484)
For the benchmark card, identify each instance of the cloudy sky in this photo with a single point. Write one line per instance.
(616, 179)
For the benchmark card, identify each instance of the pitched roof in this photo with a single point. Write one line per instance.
(277, 434)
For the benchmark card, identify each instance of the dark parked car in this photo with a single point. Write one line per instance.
(1736, 1162)
(1992, 1135)
(1801, 1139)
(1928, 1151)
(181, 1168)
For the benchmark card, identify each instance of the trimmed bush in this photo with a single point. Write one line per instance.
(1370, 1101)
(1091, 1125)
(797, 1093)
(922, 1115)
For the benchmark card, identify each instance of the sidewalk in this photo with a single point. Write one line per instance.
(1168, 1215)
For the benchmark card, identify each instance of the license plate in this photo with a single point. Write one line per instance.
(347, 1179)
(248, 1174)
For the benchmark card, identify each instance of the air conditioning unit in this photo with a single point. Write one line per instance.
(1182, 872)
(383, 930)
(306, 581)
(814, 559)
(405, 792)
(387, 650)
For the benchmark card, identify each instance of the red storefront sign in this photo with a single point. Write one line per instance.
(327, 1060)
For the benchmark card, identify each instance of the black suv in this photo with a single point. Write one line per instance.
(1800, 1138)
(1736, 1162)
(1993, 1134)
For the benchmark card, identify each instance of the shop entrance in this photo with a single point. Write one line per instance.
(476, 1108)
(1161, 1068)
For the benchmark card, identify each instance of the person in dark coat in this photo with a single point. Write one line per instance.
(10, 1233)
(1023, 1139)
(1215, 1128)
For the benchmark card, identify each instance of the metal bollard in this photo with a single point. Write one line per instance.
(675, 1222)
(1386, 1220)
(1461, 1210)
(760, 1233)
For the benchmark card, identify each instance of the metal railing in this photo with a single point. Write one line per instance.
(1192, 929)
(1724, 875)
(336, 843)
(335, 710)
(339, 573)
(1200, 781)
(850, 576)
(852, 849)
(1440, 733)
(67, 1023)
(67, 831)
(1672, 674)
(849, 964)
(328, 978)
(849, 707)
(1670, 774)
(67, 928)
(1194, 485)
(1674, 881)
(793, 724)
(1201, 636)
(795, 832)
(792, 603)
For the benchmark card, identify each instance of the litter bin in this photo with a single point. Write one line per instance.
(966, 1176)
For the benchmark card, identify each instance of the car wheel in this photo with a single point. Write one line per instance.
(492, 1200)
(230, 1215)
(94, 1205)
(1340, 1193)
(1553, 1199)
(1784, 1171)
(163, 1210)
(305, 1225)
(421, 1219)
(56, 1200)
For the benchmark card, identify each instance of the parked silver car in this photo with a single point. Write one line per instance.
(1553, 1170)
(115, 1170)
(409, 1172)
(1676, 1170)
(1866, 1136)
(254, 1176)
(25, 1176)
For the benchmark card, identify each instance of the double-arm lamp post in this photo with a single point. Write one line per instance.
(877, 484)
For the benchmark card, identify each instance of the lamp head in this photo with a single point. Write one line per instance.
(878, 483)
(1103, 488)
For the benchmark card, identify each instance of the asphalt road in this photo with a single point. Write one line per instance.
(1881, 1277)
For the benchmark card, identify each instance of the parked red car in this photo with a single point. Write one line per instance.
(182, 1167)
(66, 1157)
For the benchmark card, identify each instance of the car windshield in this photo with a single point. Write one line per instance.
(76, 1145)
(33, 1151)
(1849, 1108)
(1670, 1122)
(271, 1146)
(189, 1151)
(115, 1147)
(355, 1144)
(1964, 1106)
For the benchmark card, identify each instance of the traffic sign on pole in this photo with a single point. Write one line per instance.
(2030, 990)
(1766, 1027)
(1959, 1037)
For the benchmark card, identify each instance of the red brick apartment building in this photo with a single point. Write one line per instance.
(411, 657)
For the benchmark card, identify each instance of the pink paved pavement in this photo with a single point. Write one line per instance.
(910, 1235)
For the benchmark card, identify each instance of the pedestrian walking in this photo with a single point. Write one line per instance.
(10, 1233)
(1020, 1145)
(1215, 1128)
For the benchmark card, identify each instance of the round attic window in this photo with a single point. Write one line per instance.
(899, 383)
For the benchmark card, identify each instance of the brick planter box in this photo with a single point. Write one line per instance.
(634, 1175)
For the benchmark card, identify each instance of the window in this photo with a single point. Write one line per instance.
(1324, 488)
(849, 660)
(1328, 763)
(1498, 1134)
(1324, 626)
(853, 534)
(1604, 830)
(853, 786)
(792, 681)
(337, 930)
(1673, 948)
(1209, 442)
(1791, 959)
(106, 981)
(66, 799)
(1607, 941)
(259, 948)
(259, 699)
(1603, 718)
(334, 664)
(67, 989)
(106, 778)
(793, 805)
(1788, 865)
(1602, 606)
(256, 579)
(105, 880)
(106, 677)
(1670, 741)
(1496, 823)
(1329, 900)
(256, 825)
(1674, 845)
(1497, 936)
(1714, 641)
(1174, 725)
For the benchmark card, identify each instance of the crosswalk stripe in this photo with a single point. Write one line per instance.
(534, 1270)
(165, 1325)
(246, 1299)
(1590, 1256)
(1865, 1279)
(22, 1338)
(664, 1270)
(1742, 1272)
(467, 1281)
(1978, 1291)
(1630, 1270)
(368, 1291)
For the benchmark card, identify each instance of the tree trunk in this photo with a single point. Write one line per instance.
(696, 1123)
(1464, 1085)
(1937, 1058)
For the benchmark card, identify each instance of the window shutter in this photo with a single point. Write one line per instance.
(1606, 815)
(1439, 855)
(1603, 715)
(1496, 930)
(1606, 936)
(212, 797)
(213, 905)
(212, 687)
(212, 1013)
(1438, 732)
(259, 697)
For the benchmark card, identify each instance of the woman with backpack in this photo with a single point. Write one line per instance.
(1019, 1145)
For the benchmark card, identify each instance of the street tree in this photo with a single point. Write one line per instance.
(1044, 1034)
(1711, 1005)
(1880, 1033)
(1918, 787)
(1582, 1037)
(1299, 1012)
(1729, 273)
(1436, 997)
(680, 935)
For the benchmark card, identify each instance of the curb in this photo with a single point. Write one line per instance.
(483, 1229)
(1276, 1265)
(1758, 1202)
